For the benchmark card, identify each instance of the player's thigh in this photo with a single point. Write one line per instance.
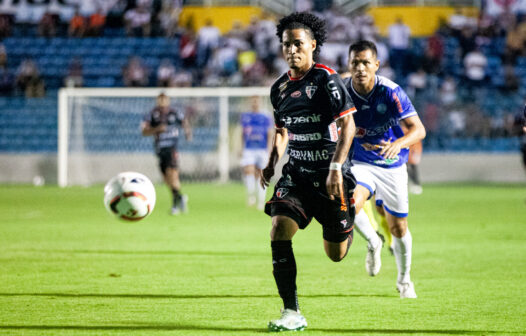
(391, 190)
(288, 200)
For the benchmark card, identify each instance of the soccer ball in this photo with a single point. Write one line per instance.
(129, 196)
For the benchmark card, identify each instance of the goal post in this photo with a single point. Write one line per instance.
(99, 134)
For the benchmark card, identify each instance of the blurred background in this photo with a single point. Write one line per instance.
(463, 63)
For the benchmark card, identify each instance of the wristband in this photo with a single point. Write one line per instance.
(335, 166)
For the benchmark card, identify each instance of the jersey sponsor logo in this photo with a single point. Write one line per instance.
(361, 132)
(309, 155)
(295, 94)
(313, 118)
(333, 131)
(305, 137)
(387, 162)
(281, 192)
(310, 90)
(305, 170)
(333, 89)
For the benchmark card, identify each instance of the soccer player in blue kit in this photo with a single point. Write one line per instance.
(256, 127)
(310, 103)
(380, 156)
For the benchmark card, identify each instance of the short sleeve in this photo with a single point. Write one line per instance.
(341, 102)
(403, 104)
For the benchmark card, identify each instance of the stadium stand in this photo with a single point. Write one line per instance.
(484, 116)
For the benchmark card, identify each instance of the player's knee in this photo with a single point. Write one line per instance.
(399, 229)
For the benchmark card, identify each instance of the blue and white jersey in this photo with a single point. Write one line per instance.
(378, 118)
(255, 130)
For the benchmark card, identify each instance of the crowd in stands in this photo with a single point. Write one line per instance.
(458, 77)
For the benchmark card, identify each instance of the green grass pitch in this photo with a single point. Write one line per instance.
(68, 268)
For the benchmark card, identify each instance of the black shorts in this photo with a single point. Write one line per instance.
(303, 199)
(168, 158)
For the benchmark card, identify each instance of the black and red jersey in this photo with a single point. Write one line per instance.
(173, 119)
(308, 108)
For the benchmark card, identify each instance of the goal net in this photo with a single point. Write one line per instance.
(99, 132)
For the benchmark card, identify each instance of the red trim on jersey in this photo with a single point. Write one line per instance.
(346, 112)
(324, 67)
(398, 104)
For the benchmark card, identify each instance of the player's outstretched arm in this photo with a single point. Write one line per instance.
(279, 144)
(335, 179)
(147, 129)
(415, 133)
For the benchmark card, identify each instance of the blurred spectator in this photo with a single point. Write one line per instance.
(77, 25)
(188, 48)
(183, 79)
(74, 77)
(28, 79)
(434, 53)
(169, 17)
(47, 27)
(467, 41)
(399, 35)
(6, 22)
(515, 43)
(416, 86)
(207, 40)
(96, 23)
(135, 74)
(165, 73)
(386, 70)
(457, 21)
(6, 78)
(475, 63)
(448, 91)
(137, 21)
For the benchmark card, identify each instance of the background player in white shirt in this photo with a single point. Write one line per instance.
(380, 156)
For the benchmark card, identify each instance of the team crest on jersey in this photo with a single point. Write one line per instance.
(310, 90)
(295, 94)
(381, 108)
(360, 132)
(344, 223)
(281, 192)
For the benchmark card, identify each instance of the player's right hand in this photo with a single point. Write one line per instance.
(266, 175)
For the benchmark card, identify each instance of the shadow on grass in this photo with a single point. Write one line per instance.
(174, 327)
(184, 296)
(166, 252)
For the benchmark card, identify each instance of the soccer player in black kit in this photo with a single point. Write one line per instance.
(163, 123)
(311, 106)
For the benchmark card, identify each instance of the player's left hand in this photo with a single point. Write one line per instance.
(334, 184)
(390, 149)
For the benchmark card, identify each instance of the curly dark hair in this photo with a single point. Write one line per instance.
(311, 23)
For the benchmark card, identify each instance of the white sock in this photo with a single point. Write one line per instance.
(262, 194)
(365, 229)
(250, 184)
(402, 252)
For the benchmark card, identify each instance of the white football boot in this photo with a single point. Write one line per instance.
(290, 320)
(406, 289)
(373, 260)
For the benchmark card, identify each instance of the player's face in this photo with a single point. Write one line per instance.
(163, 101)
(298, 47)
(363, 66)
